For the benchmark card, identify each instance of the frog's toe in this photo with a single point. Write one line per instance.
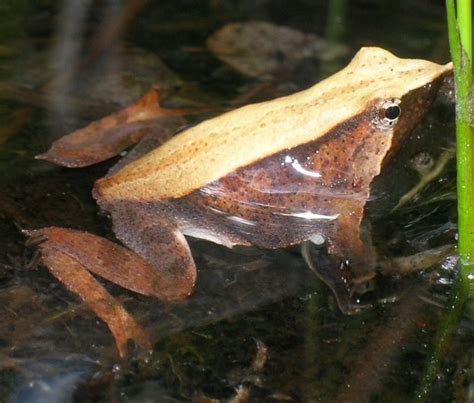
(361, 288)
(352, 308)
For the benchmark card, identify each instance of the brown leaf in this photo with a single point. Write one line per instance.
(258, 48)
(71, 272)
(106, 259)
(108, 136)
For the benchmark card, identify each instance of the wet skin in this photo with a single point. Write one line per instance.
(269, 175)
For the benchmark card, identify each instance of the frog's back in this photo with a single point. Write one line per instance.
(219, 146)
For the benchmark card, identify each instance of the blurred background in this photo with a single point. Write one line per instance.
(260, 326)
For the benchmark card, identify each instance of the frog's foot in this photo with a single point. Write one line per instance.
(424, 260)
(70, 255)
(338, 277)
(107, 137)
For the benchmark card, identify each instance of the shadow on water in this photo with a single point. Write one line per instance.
(260, 326)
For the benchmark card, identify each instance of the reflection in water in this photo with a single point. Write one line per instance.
(53, 380)
(66, 54)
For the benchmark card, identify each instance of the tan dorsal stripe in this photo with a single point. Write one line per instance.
(219, 146)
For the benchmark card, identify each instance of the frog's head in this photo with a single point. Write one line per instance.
(380, 99)
(396, 92)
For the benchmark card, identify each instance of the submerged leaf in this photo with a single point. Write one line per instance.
(259, 48)
(108, 136)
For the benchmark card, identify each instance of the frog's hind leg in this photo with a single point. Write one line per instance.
(157, 240)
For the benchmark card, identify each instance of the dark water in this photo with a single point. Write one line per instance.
(260, 326)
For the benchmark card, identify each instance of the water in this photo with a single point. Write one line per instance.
(260, 325)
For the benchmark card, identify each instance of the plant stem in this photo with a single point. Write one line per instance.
(450, 319)
(461, 50)
(460, 43)
(335, 21)
(464, 13)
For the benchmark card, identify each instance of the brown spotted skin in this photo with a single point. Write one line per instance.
(265, 203)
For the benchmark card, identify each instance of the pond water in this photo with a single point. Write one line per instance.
(260, 325)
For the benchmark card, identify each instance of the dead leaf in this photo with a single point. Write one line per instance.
(106, 137)
(259, 49)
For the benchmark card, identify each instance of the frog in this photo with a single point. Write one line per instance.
(289, 171)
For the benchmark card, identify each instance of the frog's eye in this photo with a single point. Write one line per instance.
(388, 113)
(392, 112)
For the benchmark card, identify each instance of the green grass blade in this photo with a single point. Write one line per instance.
(460, 42)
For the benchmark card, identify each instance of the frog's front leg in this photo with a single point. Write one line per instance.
(70, 255)
(337, 273)
(348, 266)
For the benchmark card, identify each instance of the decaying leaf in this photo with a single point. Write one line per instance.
(259, 49)
(58, 256)
(106, 137)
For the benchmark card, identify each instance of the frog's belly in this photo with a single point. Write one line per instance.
(264, 228)
(210, 235)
